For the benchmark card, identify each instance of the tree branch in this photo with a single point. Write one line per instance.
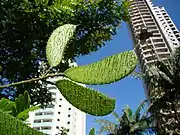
(31, 80)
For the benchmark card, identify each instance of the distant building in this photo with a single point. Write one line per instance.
(60, 114)
(154, 33)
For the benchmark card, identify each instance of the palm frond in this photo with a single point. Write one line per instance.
(106, 126)
(137, 75)
(116, 116)
(137, 113)
(128, 112)
(106, 129)
(105, 122)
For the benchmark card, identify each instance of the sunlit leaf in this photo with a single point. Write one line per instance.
(12, 126)
(57, 43)
(108, 70)
(25, 114)
(85, 99)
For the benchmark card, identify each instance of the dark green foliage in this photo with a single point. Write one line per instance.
(85, 99)
(12, 126)
(6, 105)
(92, 131)
(27, 24)
(20, 108)
(108, 70)
(22, 103)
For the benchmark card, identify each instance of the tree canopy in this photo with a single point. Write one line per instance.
(26, 25)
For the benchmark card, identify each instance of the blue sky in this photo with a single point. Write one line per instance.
(127, 91)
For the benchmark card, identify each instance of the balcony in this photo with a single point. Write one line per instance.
(162, 51)
(136, 18)
(160, 46)
(42, 124)
(44, 117)
(163, 56)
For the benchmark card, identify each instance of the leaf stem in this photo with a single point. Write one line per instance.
(31, 80)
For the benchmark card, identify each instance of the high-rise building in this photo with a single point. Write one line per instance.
(60, 114)
(154, 33)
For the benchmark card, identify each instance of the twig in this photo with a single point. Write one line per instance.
(31, 80)
(47, 71)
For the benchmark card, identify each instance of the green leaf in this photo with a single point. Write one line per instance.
(0, 68)
(25, 114)
(128, 112)
(3, 103)
(21, 103)
(92, 131)
(57, 43)
(18, 106)
(6, 105)
(12, 126)
(14, 112)
(108, 70)
(85, 99)
(26, 100)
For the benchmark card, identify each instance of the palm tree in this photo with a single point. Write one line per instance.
(166, 95)
(163, 81)
(129, 123)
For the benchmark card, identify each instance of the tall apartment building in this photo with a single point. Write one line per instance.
(60, 114)
(164, 39)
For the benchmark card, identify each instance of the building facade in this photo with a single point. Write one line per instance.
(164, 39)
(60, 114)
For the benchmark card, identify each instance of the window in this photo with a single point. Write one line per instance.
(58, 119)
(53, 93)
(157, 40)
(61, 99)
(45, 128)
(38, 113)
(59, 112)
(37, 128)
(59, 105)
(69, 115)
(47, 120)
(162, 50)
(151, 58)
(48, 113)
(50, 106)
(37, 121)
(67, 130)
(164, 55)
(69, 108)
(57, 127)
(52, 87)
(68, 122)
